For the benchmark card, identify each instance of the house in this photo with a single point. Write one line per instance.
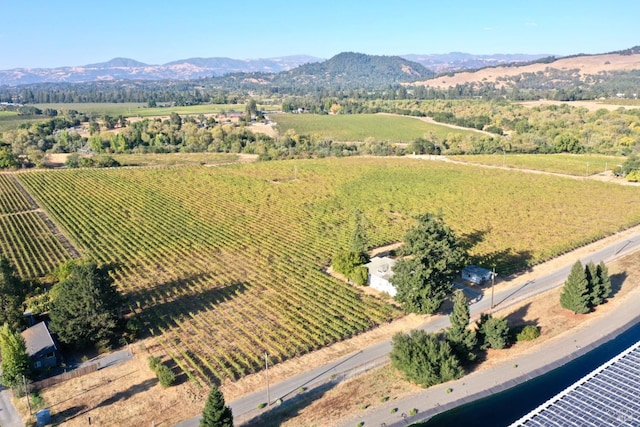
(380, 274)
(476, 275)
(40, 347)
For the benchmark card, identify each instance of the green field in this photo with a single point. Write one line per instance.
(138, 109)
(358, 127)
(225, 263)
(11, 120)
(569, 164)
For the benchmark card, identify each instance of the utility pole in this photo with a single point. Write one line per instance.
(493, 280)
(266, 365)
(26, 392)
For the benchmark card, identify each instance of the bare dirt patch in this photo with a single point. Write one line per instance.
(265, 128)
(128, 394)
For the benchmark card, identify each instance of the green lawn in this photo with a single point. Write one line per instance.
(358, 127)
(570, 164)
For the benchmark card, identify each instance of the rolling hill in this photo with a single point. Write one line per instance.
(545, 73)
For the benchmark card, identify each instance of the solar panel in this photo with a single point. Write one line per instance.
(608, 396)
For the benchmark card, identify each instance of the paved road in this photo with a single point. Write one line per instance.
(8, 415)
(245, 408)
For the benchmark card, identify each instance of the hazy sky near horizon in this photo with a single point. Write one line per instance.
(45, 33)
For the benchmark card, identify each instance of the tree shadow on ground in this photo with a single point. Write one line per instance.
(278, 413)
(617, 280)
(469, 240)
(171, 305)
(126, 394)
(68, 414)
(506, 262)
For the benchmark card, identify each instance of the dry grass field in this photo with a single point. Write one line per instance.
(586, 65)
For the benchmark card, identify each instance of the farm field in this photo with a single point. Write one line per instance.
(138, 109)
(358, 127)
(569, 164)
(170, 159)
(224, 264)
(11, 120)
(25, 237)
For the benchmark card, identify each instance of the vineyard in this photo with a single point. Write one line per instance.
(25, 238)
(224, 264)
(359, 127)
(570, 164)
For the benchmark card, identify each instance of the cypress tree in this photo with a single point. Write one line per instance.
(461, 338)
(595, 285)
(575, 294)
(605, 282)
(215, 413)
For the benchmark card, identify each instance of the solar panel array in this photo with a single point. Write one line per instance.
(608, 396)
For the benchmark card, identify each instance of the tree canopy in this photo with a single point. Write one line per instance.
(431, 258)
(216, 413)
(425, 359)
(12, 295)
(86, 308)
(575, 294)
(462, 339)
(15, 360)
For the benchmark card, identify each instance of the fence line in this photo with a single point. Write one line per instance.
(48, 382)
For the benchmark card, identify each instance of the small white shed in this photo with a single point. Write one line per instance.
(380, 273)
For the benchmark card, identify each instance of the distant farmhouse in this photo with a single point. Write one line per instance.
(40, 347)
(380, 274)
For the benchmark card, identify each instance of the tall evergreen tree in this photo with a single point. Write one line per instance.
(462, 339)
(12, 296)
(432, 257)
(216, 413)
(595, 286)
(494, 331)
(575, 294)
(605, 282)
(86, 307)
(15, 360)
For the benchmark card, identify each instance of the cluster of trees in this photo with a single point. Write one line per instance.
(428, 359)
(586, 287)
(430, 259)
(86, 308)
(631, 168)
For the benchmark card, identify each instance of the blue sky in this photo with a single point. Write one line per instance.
(47, 33)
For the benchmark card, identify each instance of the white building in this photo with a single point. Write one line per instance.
(380, 273)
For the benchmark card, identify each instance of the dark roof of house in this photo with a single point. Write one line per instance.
(474, 269)
(38, 340)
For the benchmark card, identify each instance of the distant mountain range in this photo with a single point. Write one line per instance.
(195, 68)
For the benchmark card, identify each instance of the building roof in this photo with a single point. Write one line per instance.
(477, 270)
(381, 267)
(38, 340)
(608, 396)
